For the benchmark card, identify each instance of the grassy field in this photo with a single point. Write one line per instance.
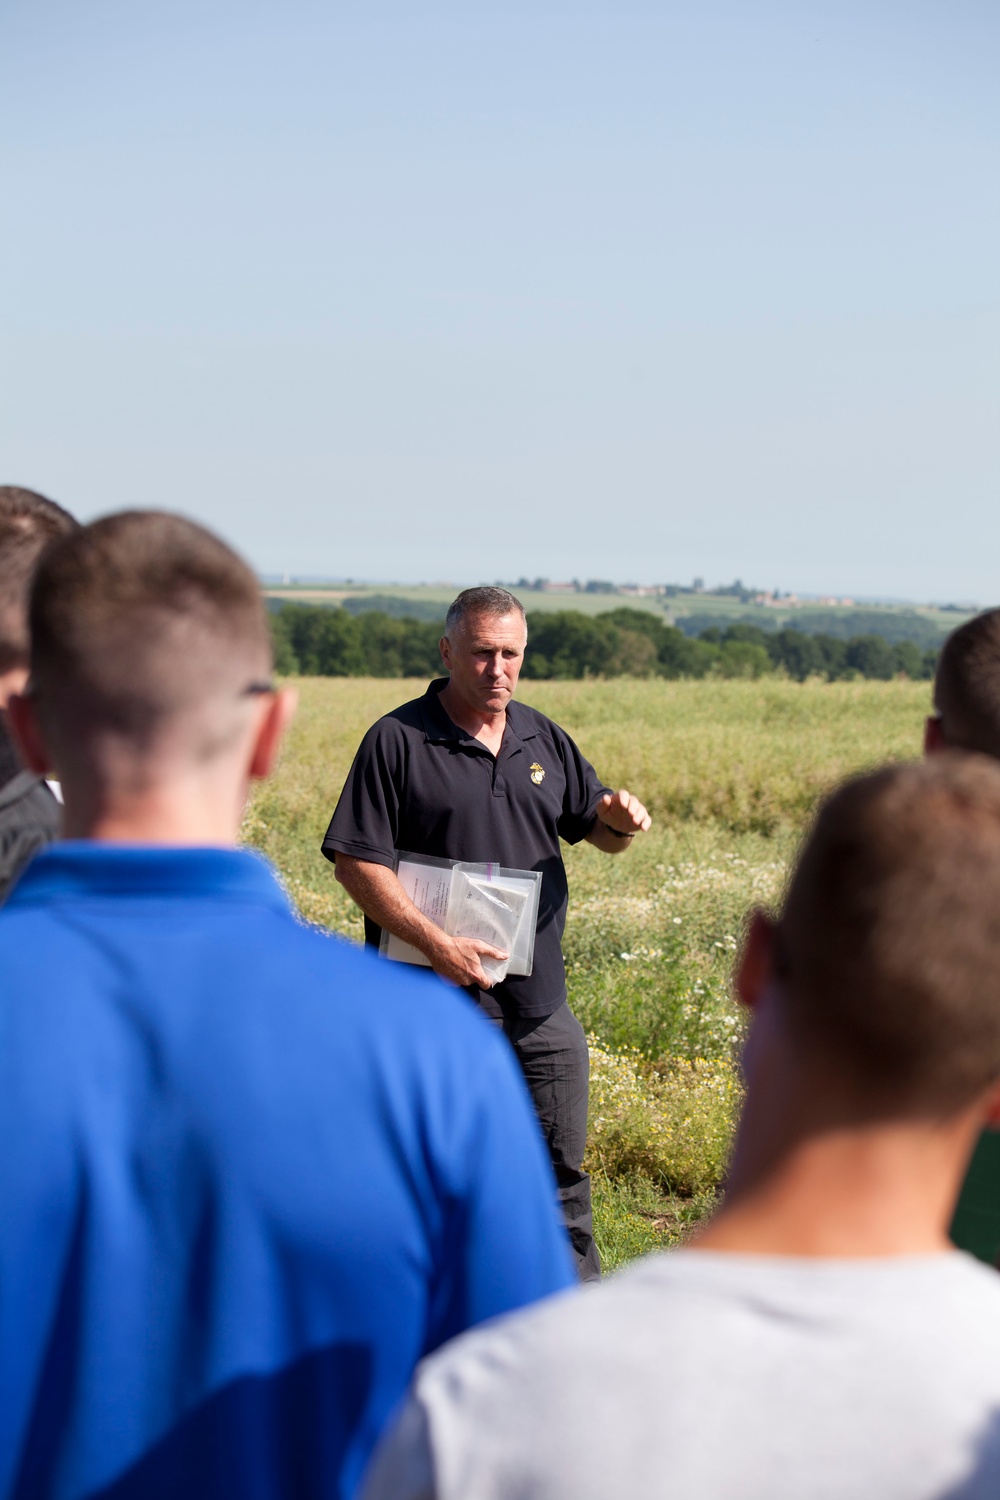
(731, 772)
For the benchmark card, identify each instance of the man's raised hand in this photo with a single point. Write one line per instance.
(623, 813)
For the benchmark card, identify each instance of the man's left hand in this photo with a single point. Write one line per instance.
(623, 813)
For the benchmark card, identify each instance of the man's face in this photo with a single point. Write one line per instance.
(484, 658)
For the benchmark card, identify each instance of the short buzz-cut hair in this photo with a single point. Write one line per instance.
(142, 620)
(967, 685)
(888, 946)
(488, 601)
(28, 523)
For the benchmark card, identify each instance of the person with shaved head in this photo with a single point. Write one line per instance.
(820, 1338)
(241, 1191)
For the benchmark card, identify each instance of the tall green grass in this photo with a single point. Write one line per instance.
(732, 772)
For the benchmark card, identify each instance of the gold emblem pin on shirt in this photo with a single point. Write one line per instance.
(537, 773)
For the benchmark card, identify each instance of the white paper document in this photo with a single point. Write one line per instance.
(428, 887)
(482, 901)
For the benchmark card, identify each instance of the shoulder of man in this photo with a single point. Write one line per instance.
(416, 992)
(407, 1022)
(407, 716)
(499, 1403)
(404, 1011)
(500, 1361)
(398, 725)
(523, 716)
(455, 1433)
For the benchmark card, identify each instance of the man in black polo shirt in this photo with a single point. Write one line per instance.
(465, 773)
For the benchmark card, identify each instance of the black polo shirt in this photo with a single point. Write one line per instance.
(422, 785)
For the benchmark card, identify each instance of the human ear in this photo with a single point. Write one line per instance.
(755, 969)
(934, 740)
(23, 717)
(444, 646)
(267, 742)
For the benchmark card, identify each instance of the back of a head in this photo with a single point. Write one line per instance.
(967, 685)
(28, 523)
(889, 942)
(146, 625)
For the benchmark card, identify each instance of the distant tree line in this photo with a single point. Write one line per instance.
(319, 641)
(636, 643)
(322, 642)
(845, 624)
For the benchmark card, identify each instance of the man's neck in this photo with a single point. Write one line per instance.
(847, 1192)
(192, 812)
(487, 728)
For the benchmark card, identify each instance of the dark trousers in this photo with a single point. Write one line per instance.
(552, 1051)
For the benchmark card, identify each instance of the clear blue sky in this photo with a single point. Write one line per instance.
(434, 290)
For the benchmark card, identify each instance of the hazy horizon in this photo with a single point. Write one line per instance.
(272, 579)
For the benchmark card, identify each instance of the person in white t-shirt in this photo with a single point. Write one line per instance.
(820, 1339)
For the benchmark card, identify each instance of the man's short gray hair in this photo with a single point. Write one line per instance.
(487, 600)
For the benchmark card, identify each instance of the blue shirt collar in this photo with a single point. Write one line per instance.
(82, 868)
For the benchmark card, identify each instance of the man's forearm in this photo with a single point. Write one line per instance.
(604, 838)
(380, 896)
(620, 816)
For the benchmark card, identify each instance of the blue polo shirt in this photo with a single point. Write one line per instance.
(248, 1177)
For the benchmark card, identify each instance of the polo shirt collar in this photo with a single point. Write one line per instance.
(437, 725)
(439, 728)
(80, 868)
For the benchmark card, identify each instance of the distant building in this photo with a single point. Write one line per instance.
(777, 600)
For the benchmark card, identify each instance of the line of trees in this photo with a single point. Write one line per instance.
(845, 624)
(320, 641)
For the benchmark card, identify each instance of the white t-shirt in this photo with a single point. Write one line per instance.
(710, 1376)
